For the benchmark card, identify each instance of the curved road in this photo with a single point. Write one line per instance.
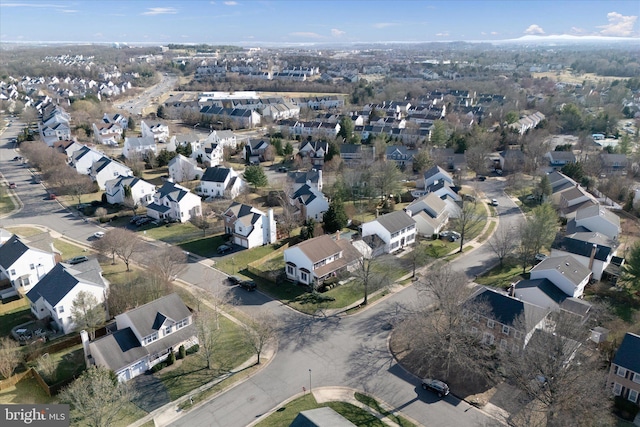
(340, 351)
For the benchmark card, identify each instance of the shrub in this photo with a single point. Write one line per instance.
(182, 352)
(158, 367)
(625, 409)
(193, 349)
(171, 359)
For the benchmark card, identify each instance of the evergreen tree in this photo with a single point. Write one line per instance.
(335, 218)
(255, 176)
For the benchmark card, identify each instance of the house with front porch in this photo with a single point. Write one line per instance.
(396, 230)
(319, 258)
(52, 297)
(314, 150)
(174, 202)
(23, 266)
(249, 227)
(137, 148)
(144, 337)
(220, 182)
(140, 190)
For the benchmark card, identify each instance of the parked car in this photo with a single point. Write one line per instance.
(77, 260)
(541, 257)
(223, 249)
(494, 202)
(12, 185)
(282, 169)
(98, 234)
(249, 285)
(135, 219)
(452, 236)
(16, 158)
(234, 280)
(436, 386)
(143, 221)
(481, 178)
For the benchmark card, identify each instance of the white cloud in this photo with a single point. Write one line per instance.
(160, 11)
(305, 34)
(443, 34)
(534, 29)
(577, 30)
(383, 24)
(69, 11)
(231, 3)
(337, 33)
(619, 25)
(494, 33)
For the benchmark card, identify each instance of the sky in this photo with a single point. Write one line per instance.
(311, 21)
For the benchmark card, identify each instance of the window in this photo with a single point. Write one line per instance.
(13, 272)
(490, 323)
(621, 372)
(151, 338)
(181, 324)
(505, 329)
(617, 389)
(32, 266)
(167, 330)
(633, 395)
(290, 270)
(636, 378)
(61, 309)
(487, 338)
(304, 276)
(517, 334)
(503, 344)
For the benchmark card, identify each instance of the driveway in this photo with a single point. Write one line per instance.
(150, 393)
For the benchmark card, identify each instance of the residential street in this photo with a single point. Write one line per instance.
(340, 351)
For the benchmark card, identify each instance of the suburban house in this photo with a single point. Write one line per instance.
(140, 191)
(220, 182)
(157, 131)
(558, 159)
(320, 258)
(613, 163)
(396, 230)
(248, 226)
(511, 160)
(624, 374)
(448, 159)
(254, 150)
(598, 219)
(226, 138)
(118, 119)
(593, 250)
(430, 213)
(356, 154)
(543, 293)
(313, 178)
(137, 148)
(314, 150)
(208, 153)
(83, 158)
(106, 169)
(144, 337)
(401, 156)
(182, 168)
(23, 266)
(311, 202)
(569, 275)
(52, 297)
(504, 321)
(560, 182)
(68, 148)
(435, 175)
(570, 200)
(174, 202)
(107, 133)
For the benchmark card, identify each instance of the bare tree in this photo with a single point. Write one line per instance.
(471, 217)
(79, 185)
(119, 242)
(130, 203)
(167, 262)
(209, 334)
(9, 356)
(87, 313)
(370, 275)
(201, 222)
(288, 220)
(503, 243)
(107, 245)
(97, 398)
(537, 231)
(260, 331)
(386, 178)
(418, 256)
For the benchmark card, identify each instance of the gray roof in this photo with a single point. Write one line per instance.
(62, 278)
(301, 177)
(141, 142)
(566, 265)
(526, 289)
(11, 251)
(396, 221)
(144, 317)
(597, 211)
(582, 244)
(436, 170)
(305, 194)
(319, 248)
(172, 191)
(627, 354)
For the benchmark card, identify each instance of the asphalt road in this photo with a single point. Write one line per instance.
(136, 106)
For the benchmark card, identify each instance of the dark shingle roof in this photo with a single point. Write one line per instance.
(508, 310)
(11, 251)
(215, 174)
(551, 291)
(628, 354)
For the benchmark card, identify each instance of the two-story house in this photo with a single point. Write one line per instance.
(249, 227)
(107, 133)
(311, 203)
(314, 150)
(144, 337)
(119, 119)
(430, 213)
(52, 297)
(182, 168)
(83, 158)
(312, 178)
(396, 230)
(598, 219)
(401, 156)
(105, 169)
(593, 250)
(568, 201)
(356, 154)
(174, 202)
(254, 150)
(137, 148)
(567, 273)
(139, 190)
(157, 131)
(220, 182)
(317, 259)
(558, 159)
(624, 374)
(23, 266)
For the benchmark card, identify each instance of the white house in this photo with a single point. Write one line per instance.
(311, 202)
(138, 147)
(23, 266)
(248, 226)
(207, 152)
(435, 175)
(53, 296)
(141, 191)
(106, 169)
(592, 249)
(430, 213)
(157, 131)
(569, 275)
(83, 158)
(598, 219)
(173, 201)
(224, 137)
(395, 229)
(220, 182)
(144, 337)
(116, 118)
(107, 133)
(312, 178)
(317, 259)
(182, 168)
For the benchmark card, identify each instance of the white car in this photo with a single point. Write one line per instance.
(98, 234)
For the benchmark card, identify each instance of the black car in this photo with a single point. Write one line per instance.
(77, 260)
(223, 249)
(481, 178)
(436, 386)
(249, 285)
(234, 280)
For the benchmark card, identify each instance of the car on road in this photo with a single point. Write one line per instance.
(234, 280)
(541, 257)
(98, 234)
(12, 185)
(223, 249)
(16, 158)
(481, 178)
(435, 386)
(143, 221)
(77, 260)
(248, 285)
(451, 236)
(494, 202)
(282, 169)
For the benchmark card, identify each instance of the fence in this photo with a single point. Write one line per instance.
(15, 379)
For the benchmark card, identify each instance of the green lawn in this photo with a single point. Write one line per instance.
(26, 391)
(205, 246)
(285, 415)
(173, 233)
(373, 403)
(501, 277)
(238, 261)
(24, 231)
(13, 314)
(68, 250)
(69, 362)
(6, 203)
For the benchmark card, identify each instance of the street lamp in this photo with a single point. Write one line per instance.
(310, 381)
